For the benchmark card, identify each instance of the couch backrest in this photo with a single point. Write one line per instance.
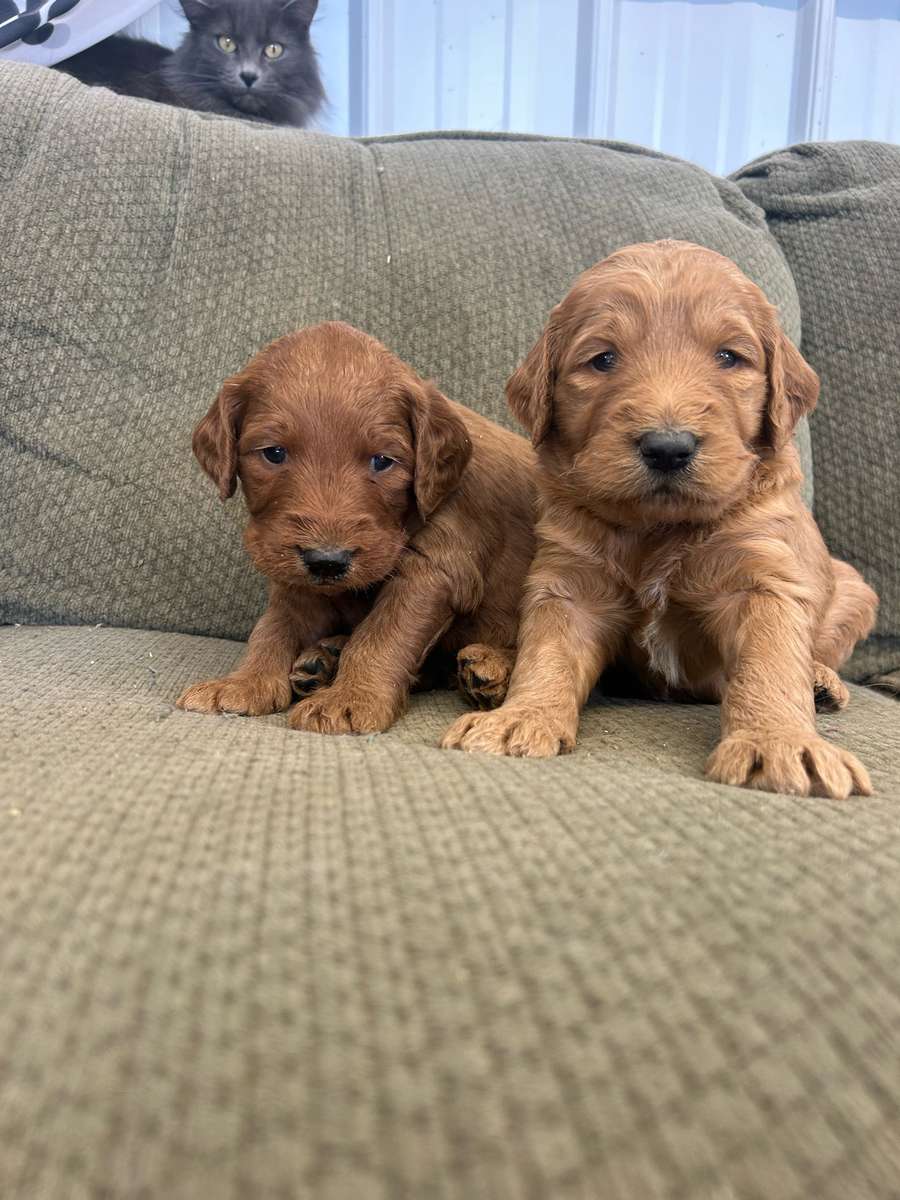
(149, 252)
(835, 210)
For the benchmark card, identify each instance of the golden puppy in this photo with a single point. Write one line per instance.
(379, 509)
(672, 537)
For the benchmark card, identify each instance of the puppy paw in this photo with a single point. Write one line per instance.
(248, 696)
(829, 690)
(483, 673)
(519, 732)
(317, 666)
(801, 764)
(339, 710)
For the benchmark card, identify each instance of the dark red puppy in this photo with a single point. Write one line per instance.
(379, 509)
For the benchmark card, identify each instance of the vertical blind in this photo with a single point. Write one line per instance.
(715, 81)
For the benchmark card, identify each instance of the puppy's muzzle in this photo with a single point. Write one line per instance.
(327, 565)
(668, 450)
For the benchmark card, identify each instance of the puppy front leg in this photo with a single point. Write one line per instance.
(768, 719)
(382, 657)
(573, 622)
(260, 683)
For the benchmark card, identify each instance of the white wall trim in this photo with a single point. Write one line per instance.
(814, 70)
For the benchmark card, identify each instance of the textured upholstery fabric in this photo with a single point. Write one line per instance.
(150, 251)
(889, 683)
(835, 209)
(239, 961)
(243, 963)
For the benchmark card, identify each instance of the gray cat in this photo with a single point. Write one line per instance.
(239, 58)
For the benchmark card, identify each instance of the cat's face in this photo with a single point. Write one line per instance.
(252, 56)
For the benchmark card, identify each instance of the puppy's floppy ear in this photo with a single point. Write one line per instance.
(793, 387)
(215, 438)
(442, 446)
(529, 390)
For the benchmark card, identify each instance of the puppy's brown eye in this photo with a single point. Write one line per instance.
(274, 454)
(380, 462)
(727, 358)
(605, 361)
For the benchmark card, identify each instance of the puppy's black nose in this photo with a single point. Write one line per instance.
(327, 565)
(668, 449)
(249, 77)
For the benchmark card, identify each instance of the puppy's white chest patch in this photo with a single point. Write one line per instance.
(658, 639)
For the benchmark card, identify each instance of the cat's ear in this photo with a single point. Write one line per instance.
(198, 12)
(301, 11)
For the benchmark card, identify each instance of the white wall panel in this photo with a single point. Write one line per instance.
(332, 42)
(865, 86)
(541, 66)
(715, 81)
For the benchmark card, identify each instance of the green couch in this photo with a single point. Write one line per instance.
(239, 962)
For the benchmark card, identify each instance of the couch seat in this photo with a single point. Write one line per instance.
(241, 961)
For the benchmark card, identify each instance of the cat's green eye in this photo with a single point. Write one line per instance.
(274, 50)
(226, 44)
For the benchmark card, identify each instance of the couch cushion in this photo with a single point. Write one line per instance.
(835, 209)
(150, 251)
(240, 961)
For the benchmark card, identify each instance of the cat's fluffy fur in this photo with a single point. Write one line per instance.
(199, 75)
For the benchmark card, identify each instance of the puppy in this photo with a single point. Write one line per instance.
(378, 509)
(672, 537)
